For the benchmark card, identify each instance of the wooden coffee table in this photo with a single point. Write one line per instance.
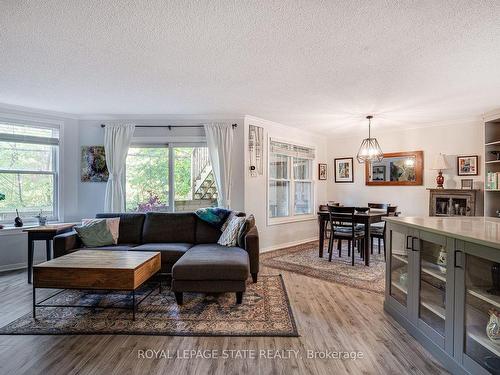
(96, 270)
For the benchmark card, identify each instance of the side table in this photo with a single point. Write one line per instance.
(43, 233)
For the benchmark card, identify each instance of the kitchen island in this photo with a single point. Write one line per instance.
(442, 285)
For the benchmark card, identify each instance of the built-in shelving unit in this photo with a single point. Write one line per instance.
(491, 162)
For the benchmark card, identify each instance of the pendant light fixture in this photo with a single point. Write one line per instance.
(369, 149)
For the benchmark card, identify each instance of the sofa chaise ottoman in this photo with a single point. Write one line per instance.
(211, 269)
(189, 250)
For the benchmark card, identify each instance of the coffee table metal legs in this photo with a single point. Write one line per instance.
(34, 302)
(134, 306)
(31, 250)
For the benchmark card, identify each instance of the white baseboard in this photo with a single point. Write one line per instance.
(18, 266)
(288, 244)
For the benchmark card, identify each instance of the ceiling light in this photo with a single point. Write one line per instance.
(369, 149)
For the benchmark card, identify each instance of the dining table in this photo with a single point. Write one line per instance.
(365, 218)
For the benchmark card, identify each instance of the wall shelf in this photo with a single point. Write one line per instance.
(401, 258)
(492, 143)
(485, 296)
(477, 334)
(434, 270)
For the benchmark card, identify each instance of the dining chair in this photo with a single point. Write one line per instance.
(377, 206)
(379, 232)
(324, 207)
(343, 228)
(380, 206)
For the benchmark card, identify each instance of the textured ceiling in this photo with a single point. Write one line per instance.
(320, 65)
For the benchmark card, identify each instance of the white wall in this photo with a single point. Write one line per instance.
(274, 236)
(13, 243)
(91, 194)
(80, 199)
(452, 140)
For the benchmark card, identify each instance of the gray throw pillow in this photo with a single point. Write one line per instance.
(230, 235)
(245, 228)
(95, 234)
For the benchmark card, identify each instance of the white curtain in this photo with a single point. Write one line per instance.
(220, 144)
(117, 140)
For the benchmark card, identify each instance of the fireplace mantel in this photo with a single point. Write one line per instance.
(452, 202)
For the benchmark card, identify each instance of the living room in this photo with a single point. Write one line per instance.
(232, 187)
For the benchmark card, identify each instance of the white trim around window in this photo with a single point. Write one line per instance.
(54, 141)
(289, 152)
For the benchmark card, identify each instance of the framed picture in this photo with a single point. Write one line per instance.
(344, 171)
(396, 169)
(468, 165)
(93, 164)
(322, 171)
(378, 172)
(467, 183)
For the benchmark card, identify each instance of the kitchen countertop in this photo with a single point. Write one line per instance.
(476, 229)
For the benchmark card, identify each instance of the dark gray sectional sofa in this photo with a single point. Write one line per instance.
(189, 250)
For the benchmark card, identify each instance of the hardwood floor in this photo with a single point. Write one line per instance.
(329, 317)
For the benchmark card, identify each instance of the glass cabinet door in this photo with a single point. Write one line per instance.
(482, 312)
(432, 288)
(399, 266)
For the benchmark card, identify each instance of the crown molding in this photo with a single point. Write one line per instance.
(170, 117)
(20, 110)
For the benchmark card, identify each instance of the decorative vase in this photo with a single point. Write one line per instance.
(42, 220)
(493, 327)
(18, 222)
(403, 279)
(441, 261)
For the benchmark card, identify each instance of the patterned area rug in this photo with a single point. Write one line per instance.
(265, 311)
(304, 259)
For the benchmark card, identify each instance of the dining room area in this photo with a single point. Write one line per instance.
(351, 246)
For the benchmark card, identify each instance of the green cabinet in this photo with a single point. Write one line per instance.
(419, 285)
(441, 290)
(476, 299)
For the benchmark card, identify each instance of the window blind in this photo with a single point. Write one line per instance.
(28, 134)
(289, 149)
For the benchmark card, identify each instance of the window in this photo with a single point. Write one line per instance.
(290, 192)
(28, 171)
(147, 187)
(173, 178)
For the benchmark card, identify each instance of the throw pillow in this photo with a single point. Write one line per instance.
(230, 235)
(229, 218)
(113, 224)
(95, 234)
(245, 228)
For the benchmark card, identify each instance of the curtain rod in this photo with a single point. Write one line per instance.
(169, 126)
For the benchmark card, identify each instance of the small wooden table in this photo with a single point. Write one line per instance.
(96, 270)
(43, 233)
(366, 218)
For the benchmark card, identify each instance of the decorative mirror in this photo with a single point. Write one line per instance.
(397, 168)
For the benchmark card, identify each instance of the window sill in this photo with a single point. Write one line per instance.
(287, 220)
(10, 229)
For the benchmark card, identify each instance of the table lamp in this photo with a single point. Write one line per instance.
(440, 164)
